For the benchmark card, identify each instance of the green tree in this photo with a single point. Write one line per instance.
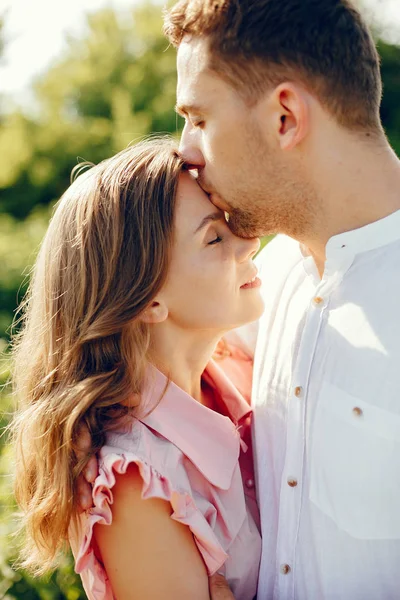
(115, 84)
(390, 110)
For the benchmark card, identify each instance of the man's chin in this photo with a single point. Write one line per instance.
(244, 227)
(241, 223)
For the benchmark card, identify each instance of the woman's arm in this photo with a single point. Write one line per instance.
(146, 554)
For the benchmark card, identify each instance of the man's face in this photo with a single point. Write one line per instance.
(239, 161)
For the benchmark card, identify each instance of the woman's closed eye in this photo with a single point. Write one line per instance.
(217, 240)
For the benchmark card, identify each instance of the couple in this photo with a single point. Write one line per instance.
(129, 324)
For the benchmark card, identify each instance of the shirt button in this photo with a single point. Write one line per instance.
(285, 569)
(357, 411)
(292, 482)
(250, 483)
(298, 391)
(318, 300)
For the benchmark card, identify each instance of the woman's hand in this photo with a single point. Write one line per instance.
(219, 588)
(84, 481)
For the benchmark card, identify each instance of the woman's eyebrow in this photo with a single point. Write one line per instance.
(217, 216)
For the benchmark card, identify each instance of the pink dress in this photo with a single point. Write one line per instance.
(198, 460)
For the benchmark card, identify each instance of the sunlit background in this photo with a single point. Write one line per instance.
(81, 79)
(36, 32)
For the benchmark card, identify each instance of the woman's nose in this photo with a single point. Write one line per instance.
(248, 248)
(190, 150)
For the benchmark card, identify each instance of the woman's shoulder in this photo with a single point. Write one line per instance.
(155, 456)
(158, 468)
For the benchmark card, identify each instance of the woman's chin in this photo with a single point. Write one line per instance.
(254, 309)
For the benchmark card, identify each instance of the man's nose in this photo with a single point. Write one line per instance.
(190, 150)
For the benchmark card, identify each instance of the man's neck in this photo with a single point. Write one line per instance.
(357, 186)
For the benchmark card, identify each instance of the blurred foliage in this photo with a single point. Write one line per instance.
(114, 84)
(390, 108)
(1, 35)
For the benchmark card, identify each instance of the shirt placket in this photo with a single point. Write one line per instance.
(292, 477)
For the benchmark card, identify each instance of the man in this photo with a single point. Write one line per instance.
(281, 106)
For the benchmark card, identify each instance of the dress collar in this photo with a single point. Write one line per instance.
(210, 440)
(237, 407)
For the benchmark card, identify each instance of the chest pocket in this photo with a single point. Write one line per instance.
(355, 465)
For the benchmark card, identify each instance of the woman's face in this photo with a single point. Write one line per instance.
(208, 285)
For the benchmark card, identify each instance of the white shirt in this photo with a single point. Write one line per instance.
(327, 418)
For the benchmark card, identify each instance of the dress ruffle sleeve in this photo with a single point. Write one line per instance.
(113, 461)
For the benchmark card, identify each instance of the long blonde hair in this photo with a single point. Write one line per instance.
(81, 353)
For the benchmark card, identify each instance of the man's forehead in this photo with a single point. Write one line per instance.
(192, 59)
(195, 80)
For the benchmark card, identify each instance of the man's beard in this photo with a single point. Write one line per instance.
(246, 224)
(242, 222)
(286, 207)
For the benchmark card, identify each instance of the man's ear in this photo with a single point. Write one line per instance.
(290, 104)
(157, 312)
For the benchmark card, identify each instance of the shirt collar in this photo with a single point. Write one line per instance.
(211, 441)
(341, 249)
(371, 236)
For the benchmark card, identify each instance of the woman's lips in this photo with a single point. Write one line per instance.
(253, 283)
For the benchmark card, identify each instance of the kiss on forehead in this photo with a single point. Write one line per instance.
(253, 399)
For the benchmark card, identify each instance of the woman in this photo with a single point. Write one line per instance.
(136, 282)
